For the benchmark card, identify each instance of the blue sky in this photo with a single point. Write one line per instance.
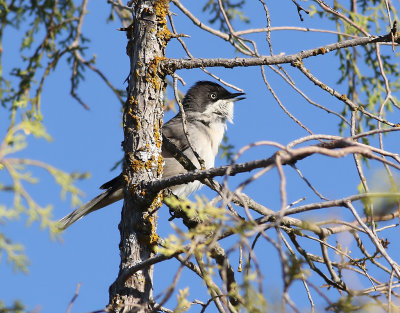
(90, 141)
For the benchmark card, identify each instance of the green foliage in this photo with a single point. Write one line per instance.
(226, 149)
(381, 183)
(363, 76)
(17, 307)
(210, 220)
(183, 303)
(15, 253)
(294, 268)
(233, 11)
(199, 242)
(54, 20)
(52, 33)
(350, 304)
(345, 305)
(255, 299)
(124, 16)
(48, 32)
(17, 169)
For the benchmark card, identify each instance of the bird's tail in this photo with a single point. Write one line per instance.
(107, 197)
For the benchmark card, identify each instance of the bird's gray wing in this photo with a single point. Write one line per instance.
(173, 130)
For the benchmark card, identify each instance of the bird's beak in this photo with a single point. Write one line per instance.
(237, 96)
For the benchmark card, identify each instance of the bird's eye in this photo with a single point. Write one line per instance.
(213, 96)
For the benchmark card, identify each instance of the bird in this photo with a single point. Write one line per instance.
(208, 107)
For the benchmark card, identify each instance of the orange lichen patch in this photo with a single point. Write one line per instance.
(157, 136)
(135, 118)
(116, 303)
(160, 164)
(164, 35)
(319, 51)
(157, 203)
(150, 240)
(132, 189)
(343, 97)
(137, 122)
(137, 165)
(126, 178)
(161, 8)
(150, 163)
(153, 74)
(297, 63)
(132, 100)
(153, 236)
(147, 11)
(153, 163)
(157, 60)
(151, 224)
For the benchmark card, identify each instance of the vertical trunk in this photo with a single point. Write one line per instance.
(142, 121)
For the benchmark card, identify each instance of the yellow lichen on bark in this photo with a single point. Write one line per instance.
(157, 136)
(153, 75)
(137, 165)
(160, 164)
(161, 8)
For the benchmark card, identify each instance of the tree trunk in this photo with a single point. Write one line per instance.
(142, 122)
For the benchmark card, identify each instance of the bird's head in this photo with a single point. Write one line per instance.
(212, 100)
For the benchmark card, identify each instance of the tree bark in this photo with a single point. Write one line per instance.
(142, 122)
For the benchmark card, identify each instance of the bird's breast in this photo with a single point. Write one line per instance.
(206, 141)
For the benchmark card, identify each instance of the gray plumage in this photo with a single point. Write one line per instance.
(208, 106)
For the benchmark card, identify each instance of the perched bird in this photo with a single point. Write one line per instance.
(208, 106)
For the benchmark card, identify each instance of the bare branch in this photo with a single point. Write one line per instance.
(171, 65)
(287, 157)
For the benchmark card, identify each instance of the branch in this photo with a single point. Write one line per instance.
(293, 28)
(339, 202)
(74, 297)
(375, 240)
(299, 9)
(240, 199)
(171, 65)
(129, 271)
(342, 97)
(198, 23)
(327, 8)
(286, 157)
(226, 271)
